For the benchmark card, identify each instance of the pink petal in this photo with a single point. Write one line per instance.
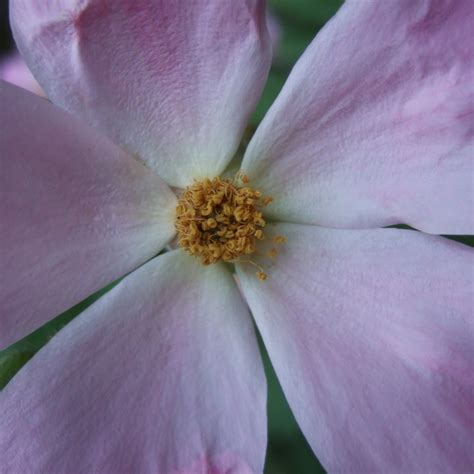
(173, 82)
(375, 124)
(161, 375)
(371, 335)
(274, 29)
(76, 212)
(14, 70)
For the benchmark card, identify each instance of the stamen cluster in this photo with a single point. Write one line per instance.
(217, 220)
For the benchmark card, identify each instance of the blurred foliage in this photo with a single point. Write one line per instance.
(18, 354)
(299, 21)
(288, 452)
(306, 13)
(272, 88)
(464, 239)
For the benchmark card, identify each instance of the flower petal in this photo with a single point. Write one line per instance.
(371, 335)
(76, 213)
(375, 124)
(274, 29)
(173, 82)
(161, 375)
(14, 70)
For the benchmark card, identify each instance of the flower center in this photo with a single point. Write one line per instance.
(218, 220)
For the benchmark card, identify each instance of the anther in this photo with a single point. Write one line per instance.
(279, 239)
(218, 220)
(272, 253)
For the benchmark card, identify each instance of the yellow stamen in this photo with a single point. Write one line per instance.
(242, 177)
(279, 239)
(262, 276)
(217, 220)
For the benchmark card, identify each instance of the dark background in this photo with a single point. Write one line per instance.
(5, 38)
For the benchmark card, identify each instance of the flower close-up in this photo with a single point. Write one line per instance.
(323, 235)
(14, 70)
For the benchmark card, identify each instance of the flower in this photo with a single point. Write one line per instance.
(13, 69)
(370, 330)
(274, 30)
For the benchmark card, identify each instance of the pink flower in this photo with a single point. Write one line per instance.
(13, 69)
(370, 330)
(274, 29)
